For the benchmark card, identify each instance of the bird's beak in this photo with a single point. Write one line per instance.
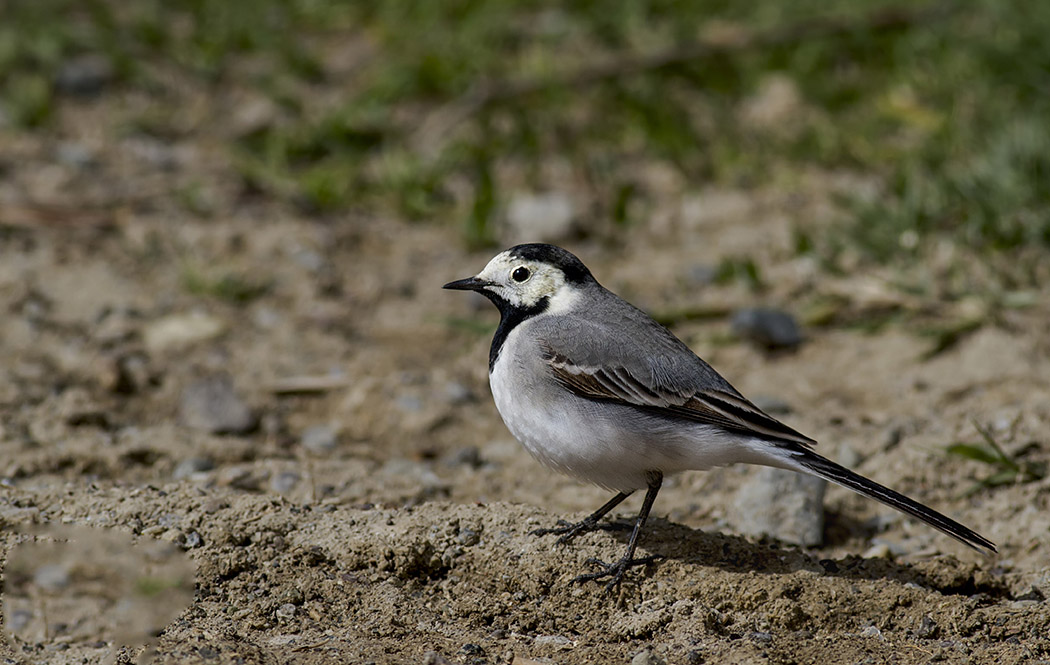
(468, 284)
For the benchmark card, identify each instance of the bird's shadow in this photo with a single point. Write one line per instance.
(733, 553)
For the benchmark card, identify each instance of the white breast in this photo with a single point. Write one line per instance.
(610, 445)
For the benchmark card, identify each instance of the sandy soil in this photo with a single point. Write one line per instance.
(406, 538)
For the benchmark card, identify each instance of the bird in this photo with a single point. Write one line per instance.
(594, 388)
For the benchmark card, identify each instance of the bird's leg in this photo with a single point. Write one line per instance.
(617, 570)
(568, 531)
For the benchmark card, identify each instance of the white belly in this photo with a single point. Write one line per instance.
(607, 444)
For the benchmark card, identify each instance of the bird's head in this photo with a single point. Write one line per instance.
(529, 277)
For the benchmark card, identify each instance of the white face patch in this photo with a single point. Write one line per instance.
(524, 283)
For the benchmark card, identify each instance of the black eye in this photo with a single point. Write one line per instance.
(520, 274)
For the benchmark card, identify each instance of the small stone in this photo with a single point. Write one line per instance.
(848, 457)
(760, 637)
(286, 611)
(896, 549)
(129, 374)
(84, 76)
(927, 628)
(52, 578)
(409, 403)
(284, 482)
(783, 504)
(181, 330)
(457, 393)
(239, 477)
(774, 105)
(892, 436)
(766, 327)
(320, 439)
(74, 154)
(192, 539)
(471, 650)
(647, 658)
(702, 275)
(469, 456)
(546, 217)
(880, 551)
(187, 468)
(434, 658)
(872, 631)
(553, 640)
(19, 620)
(211, 405)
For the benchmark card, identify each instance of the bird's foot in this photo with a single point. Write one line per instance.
(569, 530)
(615, 571)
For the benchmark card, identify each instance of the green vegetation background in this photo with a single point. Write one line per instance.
(952, 111)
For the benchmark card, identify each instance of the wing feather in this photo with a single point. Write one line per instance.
(720, 408)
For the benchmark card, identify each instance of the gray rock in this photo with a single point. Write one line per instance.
(74, 154)
(647, 658)
(85, 76)
(546, 217)
(927, 628)
(193, 465)
(52, 577)
(468, 456)
(768, 328)
(286, 611)
(284, 482)
(786, 505)
(457, 393)
(320, 439)
(211, 405)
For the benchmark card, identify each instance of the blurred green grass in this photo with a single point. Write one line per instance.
(953, 113)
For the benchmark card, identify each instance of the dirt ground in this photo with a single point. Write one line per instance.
(400, 534)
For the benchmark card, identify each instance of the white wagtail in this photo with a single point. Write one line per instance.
(596, 389)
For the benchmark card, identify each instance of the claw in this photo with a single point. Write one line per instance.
(614, 570)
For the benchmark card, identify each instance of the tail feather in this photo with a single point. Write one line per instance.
(813, 463)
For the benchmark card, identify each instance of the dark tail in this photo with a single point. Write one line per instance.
(840, 475)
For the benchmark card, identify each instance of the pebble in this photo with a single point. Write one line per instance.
(766, 327)
(190, 466)
(286, 611)
(786, 505)
(848, 457)
(880, 551)
(468, 456)
(927, 627)
(457, 393)
(320, 439)
(52, 578)
(178, 331)
(553, 640)
(647, 658)
(85, 75)
(284, 482)
(19, 620)
(546, 217)
(74, 154)
(211, 405)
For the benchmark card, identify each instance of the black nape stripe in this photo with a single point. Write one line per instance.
(574, 270)
(509, 318)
